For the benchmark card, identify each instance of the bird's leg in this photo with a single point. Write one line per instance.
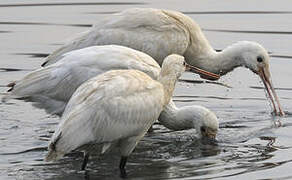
(122, 166)
(85, 160)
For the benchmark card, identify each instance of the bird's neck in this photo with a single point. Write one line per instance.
(200, 53)
(168, 82)
(170, 119)
(205, 57)
(217, 62)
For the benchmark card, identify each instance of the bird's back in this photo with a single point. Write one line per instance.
(158, 33)
(107, 108)
(51, 87)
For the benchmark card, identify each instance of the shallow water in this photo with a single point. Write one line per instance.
(251, 143)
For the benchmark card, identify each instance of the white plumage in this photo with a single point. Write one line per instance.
(114, 108)
(51, 87)
(160, 33)
(202, 119)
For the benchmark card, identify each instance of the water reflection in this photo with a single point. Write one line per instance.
(160, 155)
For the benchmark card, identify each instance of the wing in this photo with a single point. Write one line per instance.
(152, 31)
(112, 57)
(107, 108)
(51, 87)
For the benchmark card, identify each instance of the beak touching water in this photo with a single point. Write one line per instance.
(209, 133)
(201, 72)
(264, 73)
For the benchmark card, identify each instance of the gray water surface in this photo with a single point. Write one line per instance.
(252, 144)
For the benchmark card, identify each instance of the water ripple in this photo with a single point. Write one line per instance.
(214, 97)
(28, 150)
(43, 24)
(249, 31)
(72, 4)
(237, 12)
(13, 69)
(283, 89)
(5, 31)
(212, 12)
(281, 56)
(33, 55)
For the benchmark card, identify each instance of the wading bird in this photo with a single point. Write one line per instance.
(160, 33)
(114, 109)
(51, 87)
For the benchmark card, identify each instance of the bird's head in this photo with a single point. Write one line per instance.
(173, 64)
(252, 55)
(203, 120)
(209, 125)
(255, 57)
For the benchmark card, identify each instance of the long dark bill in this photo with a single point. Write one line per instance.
(206, 74)
(271, 91)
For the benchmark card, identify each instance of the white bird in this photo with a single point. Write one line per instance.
(114, 109)
(51, 87)
(202, 119)
(160, 33)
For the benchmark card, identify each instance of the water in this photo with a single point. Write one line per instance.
(251, 143)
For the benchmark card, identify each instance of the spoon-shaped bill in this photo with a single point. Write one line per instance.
(264, 73)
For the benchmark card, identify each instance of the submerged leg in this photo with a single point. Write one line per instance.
(85, 160)
(122, 166)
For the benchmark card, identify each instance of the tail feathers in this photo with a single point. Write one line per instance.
(106, 147)
(36, 87)
(7, 96)
(33, 83)
(53, 153)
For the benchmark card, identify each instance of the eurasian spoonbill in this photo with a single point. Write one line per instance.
(114, 109)
(160, 33)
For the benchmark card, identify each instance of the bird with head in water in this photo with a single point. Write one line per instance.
(51, 87)
(115, 109)
(159, 33)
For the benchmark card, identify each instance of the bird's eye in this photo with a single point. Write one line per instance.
(260, 59)
(203, 129)
(184, 63)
